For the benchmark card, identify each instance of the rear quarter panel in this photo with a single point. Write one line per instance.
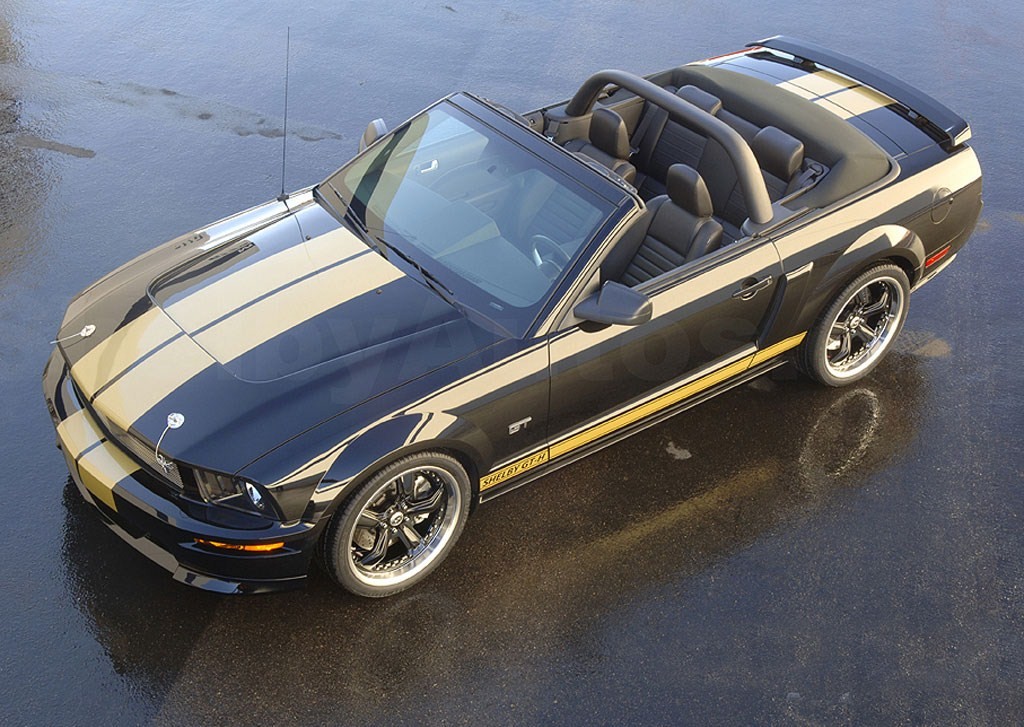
(934, 201)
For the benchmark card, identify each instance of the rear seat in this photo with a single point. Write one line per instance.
(781, 159)
(661, 142)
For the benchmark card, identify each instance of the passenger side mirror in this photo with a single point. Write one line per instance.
(374, 130)
(615, 304)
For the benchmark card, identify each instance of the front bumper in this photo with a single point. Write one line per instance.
(161, 524)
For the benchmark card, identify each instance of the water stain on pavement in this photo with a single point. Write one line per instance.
(30, 141)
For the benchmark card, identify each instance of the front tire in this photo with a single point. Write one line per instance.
(856, 330)
(399, 525)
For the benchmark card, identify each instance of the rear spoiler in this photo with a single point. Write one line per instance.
(949, 127)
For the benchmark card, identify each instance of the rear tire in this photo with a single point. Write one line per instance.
(857, 329)
(399, 526)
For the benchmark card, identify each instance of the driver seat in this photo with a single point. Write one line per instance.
(679, 227)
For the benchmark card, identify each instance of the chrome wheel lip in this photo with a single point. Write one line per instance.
(886, 323)
(425, 552)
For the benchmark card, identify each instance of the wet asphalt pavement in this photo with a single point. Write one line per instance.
(782, 554)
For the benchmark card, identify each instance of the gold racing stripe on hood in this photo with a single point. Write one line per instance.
(122, 348)
(281, 311)
(152, 379)
(217, 299)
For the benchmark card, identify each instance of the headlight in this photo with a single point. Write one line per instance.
(231, 491)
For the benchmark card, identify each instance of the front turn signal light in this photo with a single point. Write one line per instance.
(249, 548)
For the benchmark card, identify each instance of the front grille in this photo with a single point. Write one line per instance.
(138, 449)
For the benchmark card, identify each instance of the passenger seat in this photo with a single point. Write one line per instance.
(608, 143)
(679, 227)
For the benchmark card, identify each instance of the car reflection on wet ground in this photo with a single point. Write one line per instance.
(783, 553)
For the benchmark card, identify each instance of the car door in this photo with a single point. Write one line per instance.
(706, 314)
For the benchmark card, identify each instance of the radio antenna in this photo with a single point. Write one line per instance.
(284, 138)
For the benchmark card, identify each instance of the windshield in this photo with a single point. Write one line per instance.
(491, 221)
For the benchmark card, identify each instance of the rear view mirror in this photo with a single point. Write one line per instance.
(615, 304)
(374, 130)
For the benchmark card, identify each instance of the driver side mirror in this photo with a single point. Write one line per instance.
(374, 130)
(615, 304)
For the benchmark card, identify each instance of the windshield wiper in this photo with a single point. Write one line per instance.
(349, 215)
(428, 277)
(381, 244)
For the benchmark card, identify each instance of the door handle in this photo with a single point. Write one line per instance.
(426, 167)
(751, 286)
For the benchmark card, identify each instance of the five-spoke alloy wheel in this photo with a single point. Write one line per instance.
(399, 525)
(858, 327)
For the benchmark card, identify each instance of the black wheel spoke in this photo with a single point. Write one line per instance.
(428, 504)
(368, 519)
(879, 305)
(845, 346)
(379, 549)
(408, 535)
(406, 484)
(867, 332)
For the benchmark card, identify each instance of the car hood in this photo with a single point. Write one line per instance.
(257, 339)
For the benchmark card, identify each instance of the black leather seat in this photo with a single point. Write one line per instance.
(780, 157)
(677, 229)
(665, 142)
(608, 144)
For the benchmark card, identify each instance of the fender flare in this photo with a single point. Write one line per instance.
(879, 244)
(368, 451)
(886, 242)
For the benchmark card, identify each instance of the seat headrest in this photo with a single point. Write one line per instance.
(608, 133)
(700, 98)
(778, 153)
(686, 189)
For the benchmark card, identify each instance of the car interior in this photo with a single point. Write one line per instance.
(806, 156)
(511, 226)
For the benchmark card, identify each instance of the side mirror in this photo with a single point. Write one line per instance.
(615, 304)
(374, 130)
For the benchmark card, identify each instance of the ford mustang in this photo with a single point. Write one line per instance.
(480, 296)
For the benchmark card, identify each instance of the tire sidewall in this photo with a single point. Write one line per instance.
(813, 355)
(337, 538)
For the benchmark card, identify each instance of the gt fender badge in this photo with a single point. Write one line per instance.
(521, 424)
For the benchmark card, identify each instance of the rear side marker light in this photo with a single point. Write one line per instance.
(253, 548)
(937, 256)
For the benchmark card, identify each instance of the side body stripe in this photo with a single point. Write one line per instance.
(637, 413)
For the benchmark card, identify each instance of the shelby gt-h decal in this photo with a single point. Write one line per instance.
(481, 296)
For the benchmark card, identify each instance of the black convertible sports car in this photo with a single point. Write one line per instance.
(480, 296)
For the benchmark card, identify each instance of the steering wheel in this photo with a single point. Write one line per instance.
(546, 250)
